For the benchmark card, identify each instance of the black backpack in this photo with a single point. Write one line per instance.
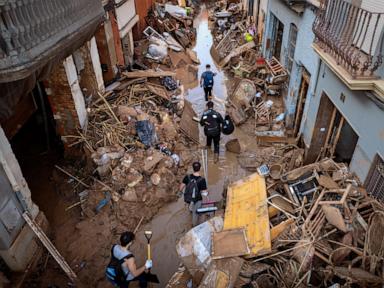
(114, 272)
(228, 126)
(190, 188)
(212, 125)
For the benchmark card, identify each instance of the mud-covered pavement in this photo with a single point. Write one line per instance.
(174, 220)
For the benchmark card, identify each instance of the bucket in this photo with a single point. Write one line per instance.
(275, 171)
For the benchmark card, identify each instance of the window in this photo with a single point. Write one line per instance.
(375, 179)
(251, 4)
(291, 47)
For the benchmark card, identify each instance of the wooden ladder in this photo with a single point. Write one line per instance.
(50, 247)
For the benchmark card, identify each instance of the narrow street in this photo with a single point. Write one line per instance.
(174, 220)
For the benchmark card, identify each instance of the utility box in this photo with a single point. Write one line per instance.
(11, 219)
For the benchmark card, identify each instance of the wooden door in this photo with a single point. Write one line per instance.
(321, 130)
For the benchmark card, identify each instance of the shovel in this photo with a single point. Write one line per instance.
(149, 276)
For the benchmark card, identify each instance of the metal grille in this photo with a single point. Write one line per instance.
(351, 35)
(375, 184)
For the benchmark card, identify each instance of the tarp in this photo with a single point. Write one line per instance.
(194, 248)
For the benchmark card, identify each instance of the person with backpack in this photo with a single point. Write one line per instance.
(194, 187)
(122, 268)
(212, 121)
(206, 81)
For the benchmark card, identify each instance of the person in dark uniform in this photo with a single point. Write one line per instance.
(212, 121)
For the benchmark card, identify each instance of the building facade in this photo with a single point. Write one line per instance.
(345, 117)
(289, 38)
(333, 52)
(49, 67)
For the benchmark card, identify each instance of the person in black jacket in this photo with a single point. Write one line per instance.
(212, 121)
(194, 187)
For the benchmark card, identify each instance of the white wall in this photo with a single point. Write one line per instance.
(125, 13)
(77, 94)
(92, 46)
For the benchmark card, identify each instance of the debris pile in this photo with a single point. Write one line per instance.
(134, 123)
(277, 159)
(258, 83)
(311, 226)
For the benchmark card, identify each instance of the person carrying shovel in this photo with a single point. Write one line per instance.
(122, 268)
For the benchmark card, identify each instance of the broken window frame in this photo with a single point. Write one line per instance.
(293, 31)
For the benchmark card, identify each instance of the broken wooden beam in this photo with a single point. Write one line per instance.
(148, 73)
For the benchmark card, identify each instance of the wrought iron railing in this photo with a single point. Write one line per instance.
(352, 35)
(31, 29)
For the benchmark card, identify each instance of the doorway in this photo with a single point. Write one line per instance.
(37, 148)
(277, 37)
(333, 136)
(305, 80)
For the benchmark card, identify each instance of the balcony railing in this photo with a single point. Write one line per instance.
(33, 32)
(351, 35)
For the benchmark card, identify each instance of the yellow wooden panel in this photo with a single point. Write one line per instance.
(247, 208)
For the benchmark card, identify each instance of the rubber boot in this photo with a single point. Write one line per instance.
(216, 158)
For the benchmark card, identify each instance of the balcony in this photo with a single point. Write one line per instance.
(351, 35)
(349, 40)
(36, 32)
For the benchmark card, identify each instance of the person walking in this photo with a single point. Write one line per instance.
(206, 81)
(194, 187)
(122, 268)
(212, 121)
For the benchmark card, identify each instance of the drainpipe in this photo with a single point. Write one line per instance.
(317, 76)
(45, 118)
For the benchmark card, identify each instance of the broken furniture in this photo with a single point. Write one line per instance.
(246, 207)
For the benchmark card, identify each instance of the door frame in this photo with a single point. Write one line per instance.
(305, 79)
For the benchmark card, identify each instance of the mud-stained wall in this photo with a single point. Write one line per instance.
(61, 101)
(142, 8)
(364, 116)
(106, 49)
(304, 57)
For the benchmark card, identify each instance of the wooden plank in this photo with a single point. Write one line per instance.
(280, 228)
(189, 127)
(148, 73)
(247, 208)
(229, 243)
(50, 247)
(126, 84)
(336, 140)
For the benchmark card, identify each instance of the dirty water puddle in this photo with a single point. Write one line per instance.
(174, 220)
